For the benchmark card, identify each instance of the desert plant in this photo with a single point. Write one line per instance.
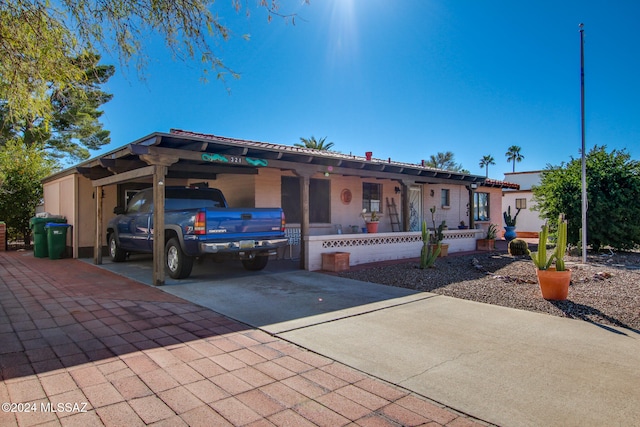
(518, 247)
(613, 193)
(539, 257)
(438, 235)
(508, 220)
(429, 253)
(492, 231)
(561, 243)
(374, 217)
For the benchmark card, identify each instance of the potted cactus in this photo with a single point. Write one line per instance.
(489, 242)
(554, 281)
(510, 224)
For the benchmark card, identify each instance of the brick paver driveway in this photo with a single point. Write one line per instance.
(82, 346)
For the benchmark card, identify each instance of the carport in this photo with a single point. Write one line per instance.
(182, 154)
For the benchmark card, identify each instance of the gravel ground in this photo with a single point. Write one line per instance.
(606, 290)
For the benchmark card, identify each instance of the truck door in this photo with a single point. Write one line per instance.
(134, 227)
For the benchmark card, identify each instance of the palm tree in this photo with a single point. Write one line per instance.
(513, 155)
(444, 161)
(316, 145)
(485, 161)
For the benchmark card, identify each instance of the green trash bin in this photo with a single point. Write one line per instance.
(56, 239)
(37, 226)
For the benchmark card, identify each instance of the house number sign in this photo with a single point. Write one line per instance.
(236, 160)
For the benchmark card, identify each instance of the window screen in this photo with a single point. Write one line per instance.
(319, 200)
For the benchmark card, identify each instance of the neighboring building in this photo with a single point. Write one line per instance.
(529, 222)
(257, 174)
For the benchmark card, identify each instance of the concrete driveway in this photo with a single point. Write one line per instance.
(507, 367)
(277, 299)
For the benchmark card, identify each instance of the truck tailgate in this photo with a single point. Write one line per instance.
(252, 222)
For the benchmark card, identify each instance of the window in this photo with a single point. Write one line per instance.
(481, 206)
(140, 203)
(445, 198)
(521, 203)
(371, 197)
(319, 200)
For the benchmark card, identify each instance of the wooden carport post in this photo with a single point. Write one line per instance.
(305, 179)
(97, 249)
(160, 165)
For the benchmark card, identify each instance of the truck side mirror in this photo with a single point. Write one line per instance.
(118, 210)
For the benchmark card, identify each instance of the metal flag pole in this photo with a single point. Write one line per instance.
(584, 159)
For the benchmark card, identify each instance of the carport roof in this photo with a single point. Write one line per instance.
(204, 155)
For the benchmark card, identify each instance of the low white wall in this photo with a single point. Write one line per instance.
(366, 248)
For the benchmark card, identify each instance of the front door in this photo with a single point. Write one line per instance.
(415, 208)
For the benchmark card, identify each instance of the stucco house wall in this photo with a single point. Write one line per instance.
(528, 223)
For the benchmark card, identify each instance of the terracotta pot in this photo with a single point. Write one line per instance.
(372, 227)
(485, 244)
(554, 285)
(444, 249)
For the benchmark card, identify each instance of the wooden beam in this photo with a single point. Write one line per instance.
(124, 176)
(302, 163)
(120, 165)
(93, 173)
(212, 168)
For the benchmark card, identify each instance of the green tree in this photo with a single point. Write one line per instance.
(39, 39)
(485, 161)
(21, 170)
(445, 161)
(313, 143)
(513, 155)
(613, 191)
(73, 126)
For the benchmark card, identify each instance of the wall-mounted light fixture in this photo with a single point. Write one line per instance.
(474, 186)
(397, 190)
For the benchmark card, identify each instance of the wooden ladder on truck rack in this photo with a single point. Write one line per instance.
(393, 215)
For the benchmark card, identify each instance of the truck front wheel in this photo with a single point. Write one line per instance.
(256, 263)
(178, 264)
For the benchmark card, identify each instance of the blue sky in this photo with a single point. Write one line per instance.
(405, 79)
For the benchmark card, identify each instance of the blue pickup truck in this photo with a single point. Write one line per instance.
(198, 223)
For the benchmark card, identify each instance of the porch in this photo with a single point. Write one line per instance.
(367, 248)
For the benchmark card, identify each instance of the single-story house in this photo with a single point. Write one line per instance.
(337, 187)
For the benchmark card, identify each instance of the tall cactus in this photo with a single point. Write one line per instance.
(540, 257)
(561, 245)
(428, 254)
